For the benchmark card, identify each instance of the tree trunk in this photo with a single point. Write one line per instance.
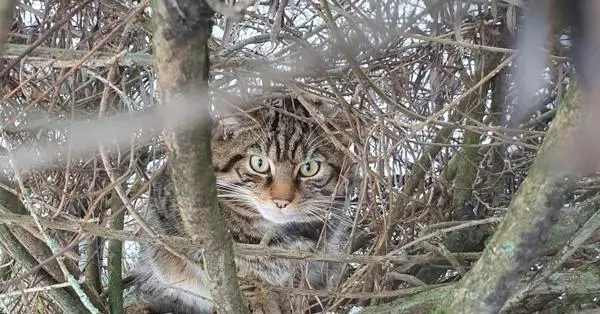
(182, 29)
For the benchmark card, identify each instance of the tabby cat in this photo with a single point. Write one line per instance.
(277, 181)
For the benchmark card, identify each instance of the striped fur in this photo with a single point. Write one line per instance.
(296, 211)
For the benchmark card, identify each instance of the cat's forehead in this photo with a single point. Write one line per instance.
(284, 136)
(286, 141)
(281, 129)
(279, 114)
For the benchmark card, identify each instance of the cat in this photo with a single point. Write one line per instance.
(277, 182)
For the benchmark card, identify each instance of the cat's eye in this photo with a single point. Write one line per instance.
(259, 164)
(310, 168)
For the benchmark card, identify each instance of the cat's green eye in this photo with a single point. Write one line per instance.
(259, 164)
(310, 168)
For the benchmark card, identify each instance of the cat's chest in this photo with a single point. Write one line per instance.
(250, 230)
(260, 231)
(275, 271)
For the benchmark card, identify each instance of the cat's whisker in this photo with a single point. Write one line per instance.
(233, 188)
(322, 142)
(325, 200)
(316, 141)
(235, 194)
(316, 214)
(323, 203)
(310, 139)
(327, 214)
(230, 196)
(262, 135)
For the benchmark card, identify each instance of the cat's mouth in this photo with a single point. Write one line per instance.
(276, 211)
(278, 215)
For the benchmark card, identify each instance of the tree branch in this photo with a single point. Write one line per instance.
(7, 9)
(532, 214)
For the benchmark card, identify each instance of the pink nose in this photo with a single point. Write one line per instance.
(281, 203)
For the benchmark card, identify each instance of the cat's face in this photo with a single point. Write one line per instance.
(279, 167)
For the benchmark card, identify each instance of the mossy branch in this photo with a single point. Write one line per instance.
(115, 260)
(13, 246)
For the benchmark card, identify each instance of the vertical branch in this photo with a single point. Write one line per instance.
(466, 163)
(182, 30)
(115, 256)
(6, 14)
(92, 266)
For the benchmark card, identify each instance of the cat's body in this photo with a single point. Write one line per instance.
(277, 179)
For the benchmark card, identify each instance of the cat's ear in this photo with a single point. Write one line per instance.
(232, 117)
(331, 112)
(230, 134)
(223, 128)
(236, 129)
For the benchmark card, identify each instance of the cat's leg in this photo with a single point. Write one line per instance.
(168, 284)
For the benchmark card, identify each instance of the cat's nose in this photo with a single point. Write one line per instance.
(281, 203)
(282, 190)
